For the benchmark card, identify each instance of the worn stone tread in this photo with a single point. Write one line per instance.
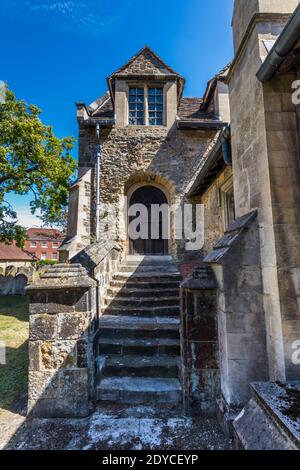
(139, 362)
(144, 310)
(140, 384)
(138, 299)
(124, 322)
(148, 275)
(141, 342)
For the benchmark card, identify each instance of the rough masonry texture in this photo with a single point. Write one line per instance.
(236, 151)
(199, 333)
(62, 325)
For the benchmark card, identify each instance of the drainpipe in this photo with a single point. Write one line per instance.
(226, 147)
(98, 156)
(226, 152)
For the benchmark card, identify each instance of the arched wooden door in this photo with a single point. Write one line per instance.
(149, 195)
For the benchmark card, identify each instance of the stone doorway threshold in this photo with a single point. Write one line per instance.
(112, 427)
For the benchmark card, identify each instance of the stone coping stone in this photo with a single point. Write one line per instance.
(283, 402)
(63, 276)
(203, 278)
(91, 256)
(231, 237)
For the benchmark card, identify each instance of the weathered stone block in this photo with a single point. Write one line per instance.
(42, 327)
(43, 384)
(57, 354)
(34, 355)
(72, 325)
(61, 300)
(38, 301)
(201, 328)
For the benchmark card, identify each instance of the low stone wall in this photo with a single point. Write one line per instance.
(63, 323)
(199, 342)
(102, 261)
(13, 280)
(65, 305)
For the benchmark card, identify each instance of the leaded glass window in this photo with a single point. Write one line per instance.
(155, 106)
(136, 106)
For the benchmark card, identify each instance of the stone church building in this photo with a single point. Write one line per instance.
(210, 330)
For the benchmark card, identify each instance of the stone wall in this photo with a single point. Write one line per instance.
(266, 171)
(241, 320)
(102, 261)
(246, 12)
(282, 221)
(149, 155)
(14, 279)
(214, 223)
(199, 343)
(63, 322)
(79, 217)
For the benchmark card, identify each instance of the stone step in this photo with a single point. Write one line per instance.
(148, 284)
(145, 347)
(148, 269)
(140, 366)
(165, 323)
(136, 301)
(143, 292)
(142, 390)
(138, 327)
(164, 311)
(146, 277)
(133, 260)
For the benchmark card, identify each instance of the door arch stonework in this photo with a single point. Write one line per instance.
(148, 195)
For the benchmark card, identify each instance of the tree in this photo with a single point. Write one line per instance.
(32, 159)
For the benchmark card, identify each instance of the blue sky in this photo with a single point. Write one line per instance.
(55, 53)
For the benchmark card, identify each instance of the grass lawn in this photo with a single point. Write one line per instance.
(14, 333)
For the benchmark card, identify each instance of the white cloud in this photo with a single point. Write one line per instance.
(26, 219)
(89, 16)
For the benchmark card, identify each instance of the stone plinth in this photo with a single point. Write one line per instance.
(199, 342)
(62, 327)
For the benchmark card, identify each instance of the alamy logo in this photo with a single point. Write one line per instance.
(2, 353)
(159, 222)
(296, 94)
(296, 353)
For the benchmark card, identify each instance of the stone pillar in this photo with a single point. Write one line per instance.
(199, 342)
(266, 171)
(62, 327)
(241, 321)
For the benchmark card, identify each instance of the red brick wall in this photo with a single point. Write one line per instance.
(38, 250)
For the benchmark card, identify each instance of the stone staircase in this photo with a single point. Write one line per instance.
(139, 346)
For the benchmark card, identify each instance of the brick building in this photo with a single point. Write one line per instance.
(43, 243)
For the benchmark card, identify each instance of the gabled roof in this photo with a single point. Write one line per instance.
(146, 63)
(102, 108)
(190, 109)
(44, 234)
(211, 85)
(13, 253)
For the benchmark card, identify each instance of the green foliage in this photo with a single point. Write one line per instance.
(32, 159)
(45, 262)
(14, 333)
